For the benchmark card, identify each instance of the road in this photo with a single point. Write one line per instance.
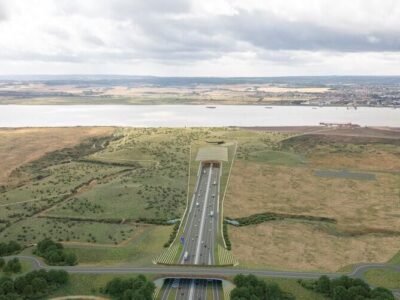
(209, 272)
(200, 232)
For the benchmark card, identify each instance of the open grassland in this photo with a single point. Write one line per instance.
(20, 146)
(137, 251)
(306, 246)
(32, 230)
(284, 177)
(99, 196)
(357, 205)
(385, 278)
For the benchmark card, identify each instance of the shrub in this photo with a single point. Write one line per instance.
(55, 254)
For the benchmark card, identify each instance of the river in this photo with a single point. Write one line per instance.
(191, 115)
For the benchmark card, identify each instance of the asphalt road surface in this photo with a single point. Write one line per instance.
(199, 234)
(209, 272)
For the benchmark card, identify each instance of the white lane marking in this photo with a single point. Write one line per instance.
(196, 260)
(191, 289)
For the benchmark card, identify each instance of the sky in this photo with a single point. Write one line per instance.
(200, 37)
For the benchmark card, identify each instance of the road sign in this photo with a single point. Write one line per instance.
(182, 240)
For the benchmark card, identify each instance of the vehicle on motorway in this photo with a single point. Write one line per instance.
(186, 255)
(211, 213)
(204, 172)
(197, 203)
(215, 183)
(213, 195)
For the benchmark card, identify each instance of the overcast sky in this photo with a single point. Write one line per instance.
(200, 37)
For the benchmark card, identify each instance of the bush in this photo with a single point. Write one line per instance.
(55, 254)
(130, 289)
(250, 287)
(35, 284)
(13, 266)
(9, 248)
(172, 235)
(226, 236)
(2, 263)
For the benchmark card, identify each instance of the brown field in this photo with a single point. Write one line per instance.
(366, 211)
(19, 146)
(301, 246)
(357, 205)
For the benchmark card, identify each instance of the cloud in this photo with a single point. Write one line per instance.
(3, 13)
(198, 33)
(269, 31)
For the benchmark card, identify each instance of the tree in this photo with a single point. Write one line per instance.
(340, 293)
(381, 293)
(13, 266)
(2, 263)
(71, 259)
(28, 291)
(323, 285)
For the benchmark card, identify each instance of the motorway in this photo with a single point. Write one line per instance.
(199, 234)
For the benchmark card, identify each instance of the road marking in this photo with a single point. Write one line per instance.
(196, 260)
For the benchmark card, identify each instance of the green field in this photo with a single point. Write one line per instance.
(385, 278)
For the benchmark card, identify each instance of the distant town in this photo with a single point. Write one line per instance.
(314, 91)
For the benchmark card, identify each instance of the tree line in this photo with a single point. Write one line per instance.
(33, 285)
(346, 288)
(12, 266)
(138, 288)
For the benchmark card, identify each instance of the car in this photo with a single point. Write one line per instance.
(197, 204)
(186, 256)
(211, 213)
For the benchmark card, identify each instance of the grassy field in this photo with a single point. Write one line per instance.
(32, 230)
(155, 189)
(109, 179)
(138, 251)
(278, 175)
(306, 246)
(385, 278)
(20, 146)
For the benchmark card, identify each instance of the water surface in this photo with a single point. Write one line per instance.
(190, 115)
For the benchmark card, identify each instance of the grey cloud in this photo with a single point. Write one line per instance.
(268, 31)
(3, 13)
